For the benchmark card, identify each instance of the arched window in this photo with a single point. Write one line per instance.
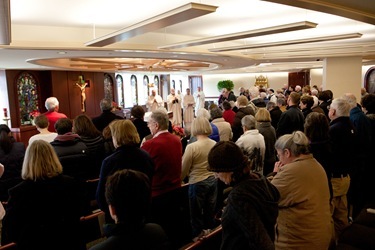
(108, 87)
(134, 89)
(120, 90)
(146, 87)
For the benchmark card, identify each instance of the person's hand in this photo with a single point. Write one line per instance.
(1, 169)
(278, 166)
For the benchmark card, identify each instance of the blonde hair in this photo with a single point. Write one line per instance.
(40, 162)
(201, 126)
(124, 132)
(242, 101)
(263, 115)
(202, 112)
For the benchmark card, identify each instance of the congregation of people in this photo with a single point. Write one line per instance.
(284, 169)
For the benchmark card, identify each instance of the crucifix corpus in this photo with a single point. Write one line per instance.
(82, 84)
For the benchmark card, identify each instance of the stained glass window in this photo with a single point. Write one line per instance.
(120, 90)
(27, 97)
(134, 89)
(108, 87)
(146, 87)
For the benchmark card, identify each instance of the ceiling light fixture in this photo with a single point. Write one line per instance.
(362, 11)
(290, 42)
(5, 34)
(177, 15)
(246, 34)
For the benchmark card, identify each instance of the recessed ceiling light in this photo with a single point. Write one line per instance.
(61, 52)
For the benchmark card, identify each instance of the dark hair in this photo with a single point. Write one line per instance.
(316, 127)
(226, 156)
(83, 126)
(295, 97)
(307, 100)
(137, 112)
(325, 95)
(6, 142)
(226, 105)
(281, 101)
(368, 102)
(41, 121)
(129, 192)
(63, 126)
(216, 113)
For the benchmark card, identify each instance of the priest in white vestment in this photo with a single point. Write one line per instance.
(189, 104)
(174, 105)
(199, 99)
(154, 101)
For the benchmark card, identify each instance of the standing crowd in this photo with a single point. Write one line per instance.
(284, 170)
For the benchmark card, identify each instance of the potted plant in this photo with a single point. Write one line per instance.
(228, 84)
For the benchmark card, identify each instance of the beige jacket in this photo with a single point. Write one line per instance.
(304, 220)
(225, 130)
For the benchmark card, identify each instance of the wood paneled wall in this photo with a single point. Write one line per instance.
(299, 78)
(60, 84)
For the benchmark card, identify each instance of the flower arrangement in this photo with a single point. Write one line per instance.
(177, 130)
(34, 114)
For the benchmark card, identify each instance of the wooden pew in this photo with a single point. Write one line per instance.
(211, 241)
(9, 246)
(91, 227)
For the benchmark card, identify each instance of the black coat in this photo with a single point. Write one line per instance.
(142, 128)
(237, 127)
(145, 237)
(275, 116)
(104, 119)
(124, 157)
(269, 135)
(249, 219)
(344, 145)
(73, 155)
(43, 214)
(290, 121)
(12, 168)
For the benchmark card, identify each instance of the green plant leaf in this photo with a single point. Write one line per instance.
(228, 84)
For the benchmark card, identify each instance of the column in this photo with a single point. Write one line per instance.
(343, 75)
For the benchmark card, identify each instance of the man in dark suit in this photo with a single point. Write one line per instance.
(292, 119)
(106, 116)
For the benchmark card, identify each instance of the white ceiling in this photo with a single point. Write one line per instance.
(42, 29)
